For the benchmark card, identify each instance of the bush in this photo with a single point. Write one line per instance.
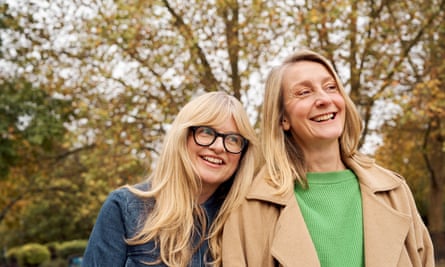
(12, 256)
(52, 254)
(29, 255)
(71, 248)
(53, 249)
(35, 254)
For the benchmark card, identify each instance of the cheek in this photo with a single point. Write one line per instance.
(341, 105)
(192, 147)
(234, 161)
(339, 101)
(298, 109)
(297, 115)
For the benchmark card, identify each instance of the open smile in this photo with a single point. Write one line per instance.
(213, 160)
(324, 117)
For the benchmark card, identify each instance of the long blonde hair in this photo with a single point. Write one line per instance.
(176, 187)
(285, 161)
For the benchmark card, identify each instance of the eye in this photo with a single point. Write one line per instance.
(234, 143)
(234, 139)
(303, 92)
(331, 87)
(205, 131)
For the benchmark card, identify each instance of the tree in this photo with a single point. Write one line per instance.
(422, 123)
(32, 134)
(128, 66)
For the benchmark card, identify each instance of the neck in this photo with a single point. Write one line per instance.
(206, 193)
(324, 160)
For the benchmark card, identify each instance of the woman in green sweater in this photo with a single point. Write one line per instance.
(318, 201)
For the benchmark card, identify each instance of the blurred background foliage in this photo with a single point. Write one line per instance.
(88, 89)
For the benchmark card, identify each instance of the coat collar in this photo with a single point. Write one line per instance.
(374, 177)
(264, 191)
(385, 228)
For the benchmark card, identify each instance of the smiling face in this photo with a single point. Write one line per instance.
(313, 106)
(214, 165)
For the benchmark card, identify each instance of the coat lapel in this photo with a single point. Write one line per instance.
(385, 231)
(292, 245)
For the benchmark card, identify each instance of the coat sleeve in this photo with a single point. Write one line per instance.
(424, 246)
(106, 245)
(426, 251)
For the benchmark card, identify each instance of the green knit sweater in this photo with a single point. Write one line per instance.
(332, 210)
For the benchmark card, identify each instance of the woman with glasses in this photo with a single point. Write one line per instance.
(176, 217)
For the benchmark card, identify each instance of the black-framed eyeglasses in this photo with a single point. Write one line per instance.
(205, 136)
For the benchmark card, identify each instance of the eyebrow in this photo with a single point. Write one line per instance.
(309, 82)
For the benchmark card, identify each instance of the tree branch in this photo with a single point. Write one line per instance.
(202, 65)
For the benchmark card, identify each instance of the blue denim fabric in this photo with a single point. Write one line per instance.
(119, 218)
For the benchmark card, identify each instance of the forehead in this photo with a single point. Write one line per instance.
(225, 124)
(305, 71)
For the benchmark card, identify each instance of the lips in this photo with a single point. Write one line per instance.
(324, 117)
(213, 160)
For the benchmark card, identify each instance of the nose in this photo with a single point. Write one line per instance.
(218, 145)
(322, 98)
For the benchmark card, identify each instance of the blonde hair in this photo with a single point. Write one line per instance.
(176, 187)
(285, 161)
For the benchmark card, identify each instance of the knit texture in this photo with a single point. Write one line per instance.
(332, 210)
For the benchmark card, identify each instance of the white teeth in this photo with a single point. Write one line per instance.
(213, 160)
(324, 117)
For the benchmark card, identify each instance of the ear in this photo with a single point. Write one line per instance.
(285, 124)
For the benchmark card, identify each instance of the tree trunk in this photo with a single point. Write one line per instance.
(436, 166)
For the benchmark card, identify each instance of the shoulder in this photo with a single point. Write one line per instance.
(262, 190)
(374, 176)
(130, 208)
(124, 194)
(387, 185)
(129, 203)
(393, 180)
(263, 202)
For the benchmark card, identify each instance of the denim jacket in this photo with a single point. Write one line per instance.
(118, 219)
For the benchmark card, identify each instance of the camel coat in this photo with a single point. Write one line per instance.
(269, 230)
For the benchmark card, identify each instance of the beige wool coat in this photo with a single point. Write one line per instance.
(269, 230)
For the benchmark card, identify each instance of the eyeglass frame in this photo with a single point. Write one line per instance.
(218, 134)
